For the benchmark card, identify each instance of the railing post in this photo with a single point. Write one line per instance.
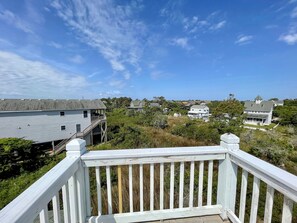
(77, 194)
(227, 179)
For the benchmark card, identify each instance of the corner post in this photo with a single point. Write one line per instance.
(227, 179)
(77, 190)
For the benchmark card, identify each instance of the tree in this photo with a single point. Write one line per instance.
(232, 108)
(17, 156)
(228, 116)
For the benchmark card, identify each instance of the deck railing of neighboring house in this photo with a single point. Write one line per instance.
(191, 195)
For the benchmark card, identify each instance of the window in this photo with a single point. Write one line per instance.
(63, 128)
(85, 114)
(62, 113)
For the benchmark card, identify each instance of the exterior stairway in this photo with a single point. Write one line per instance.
(62, 145)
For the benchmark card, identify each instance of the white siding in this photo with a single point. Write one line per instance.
(42, 126)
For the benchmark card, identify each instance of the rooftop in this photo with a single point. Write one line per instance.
(10, 105)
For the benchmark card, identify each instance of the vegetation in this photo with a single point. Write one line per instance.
(13, 186)
(152, 128)
(287, 114)
(19, 156)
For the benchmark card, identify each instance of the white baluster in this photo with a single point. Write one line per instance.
(244, 181)
(152, 186)
(192, 172)
(181, 185)
(209, 182)
(161, 186)
(200, 185)
(255, 200)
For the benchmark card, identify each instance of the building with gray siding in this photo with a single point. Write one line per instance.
(258, 112)
(47, 120)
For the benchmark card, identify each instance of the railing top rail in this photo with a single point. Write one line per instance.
(155, 152)
(276, 177)
(29, 204)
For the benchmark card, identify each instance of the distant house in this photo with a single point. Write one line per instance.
(49, 120)
(258, 112)
(136, 105)
(199, 111)
(155, 105)
(278, 103)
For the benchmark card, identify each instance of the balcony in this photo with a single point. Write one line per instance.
(162, 183)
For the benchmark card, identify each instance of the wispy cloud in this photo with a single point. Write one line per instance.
(107, 27)
(290, 38)
(243, 39)
(218, 25)
(4, 42)
(294, 13)
(77, 59)
(55, 44)
(271, 26)
(157, 74)
(11, 19)
(193, 24)
(28, 78)
(117, 83)
(181, 42)
(113, 93)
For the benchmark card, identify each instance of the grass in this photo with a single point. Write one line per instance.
(261, 126)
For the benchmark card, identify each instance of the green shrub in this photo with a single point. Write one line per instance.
(18, 156)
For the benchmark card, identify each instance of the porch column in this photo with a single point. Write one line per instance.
(227, 179)
(76, 184)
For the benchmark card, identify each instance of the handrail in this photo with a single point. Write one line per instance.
(279, 179)
(84, 132)
(155, 152)
(29, 204)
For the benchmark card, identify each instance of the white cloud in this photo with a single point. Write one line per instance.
(182, 42)
(294, 13)
(4, 42)
(55, 44)
(157, 74)
(107, 27)
(13, 20)
(218, 25)
(272, 26)
(243, 39)
(31, 79)
(110, 93)
(290, 38)
(117, 83)
(77, 59)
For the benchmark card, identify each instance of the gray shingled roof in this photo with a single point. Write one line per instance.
(199, 106)
(264, 106)
(155, 104)
(48, 104)
(137, 104)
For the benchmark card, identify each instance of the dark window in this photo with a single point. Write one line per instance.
(62, 113)
(85, 114)
(78, 128)
(63, 127)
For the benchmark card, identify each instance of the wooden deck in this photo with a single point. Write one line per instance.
(205, 219)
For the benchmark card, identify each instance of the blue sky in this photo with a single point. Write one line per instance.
(140, 49)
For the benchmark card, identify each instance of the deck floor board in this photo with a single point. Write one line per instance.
(204, 219)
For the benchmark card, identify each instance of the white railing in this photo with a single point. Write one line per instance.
(139, 185)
